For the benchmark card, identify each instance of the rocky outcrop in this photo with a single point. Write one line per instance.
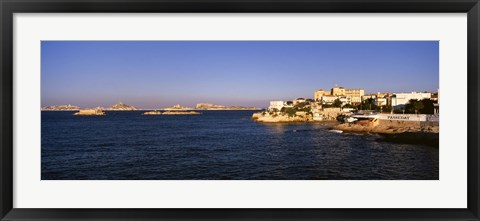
(396, 131)
(207, 106)
(387, 127)
(243, 108)
(152, 113)
(90, 112)
(171, 113)
(67, 107)
(180, 113)
(177, 107)
(329, 114)
(122, 107)
(266, 117)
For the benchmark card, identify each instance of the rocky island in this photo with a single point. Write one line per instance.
(90, 112)
(124, 107)
(389, 127)
(416, 132)
(180, 113)
(117, 107)
(121, 107)
(67, 107)
(207, 106)
(156, 112)
(177, 107)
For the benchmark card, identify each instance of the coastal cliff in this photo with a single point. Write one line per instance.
(266, 117)
(297, 115)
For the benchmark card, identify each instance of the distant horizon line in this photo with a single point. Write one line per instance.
(245, 106)
(43, 106)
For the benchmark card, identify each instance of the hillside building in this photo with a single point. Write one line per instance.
(399, 100)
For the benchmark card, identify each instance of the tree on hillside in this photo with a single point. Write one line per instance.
(337, 103)
(413, 106)
(428, 107)
(385, 109)
(368, 104)
(290, 111)
(348, 106)
(300, 105)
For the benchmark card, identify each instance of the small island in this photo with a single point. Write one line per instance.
(67, 107)
(121, 107)
(156, 112)
(180, 112)
(124, 107)
(178, 107)
(207, 106)
(90, 112)
(116, 107)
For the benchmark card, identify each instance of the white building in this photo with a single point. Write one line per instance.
(299, 100)
(400, 99)
(328, 99)
(356, 100)
(345, 100)
(381, 101)
(288, 104)
(278, 105)
(368, 96)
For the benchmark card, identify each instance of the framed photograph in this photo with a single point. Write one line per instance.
(228, 110)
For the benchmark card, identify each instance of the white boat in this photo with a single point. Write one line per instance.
(336, 131)
(365, 115)
(350, 119)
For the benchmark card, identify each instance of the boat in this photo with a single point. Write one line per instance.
(336, 131)
(365, 115)
(350, 119)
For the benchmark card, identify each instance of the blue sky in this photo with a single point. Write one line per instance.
(155, 74)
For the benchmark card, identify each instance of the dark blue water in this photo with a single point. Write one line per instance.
(218, 145)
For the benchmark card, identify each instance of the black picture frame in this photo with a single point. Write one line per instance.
(9, 7)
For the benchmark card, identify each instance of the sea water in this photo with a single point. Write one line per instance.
(219, 145)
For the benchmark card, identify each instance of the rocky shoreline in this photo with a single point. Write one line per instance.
(267, 118)
(385, 129)
(328, 114)
(399, 133)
